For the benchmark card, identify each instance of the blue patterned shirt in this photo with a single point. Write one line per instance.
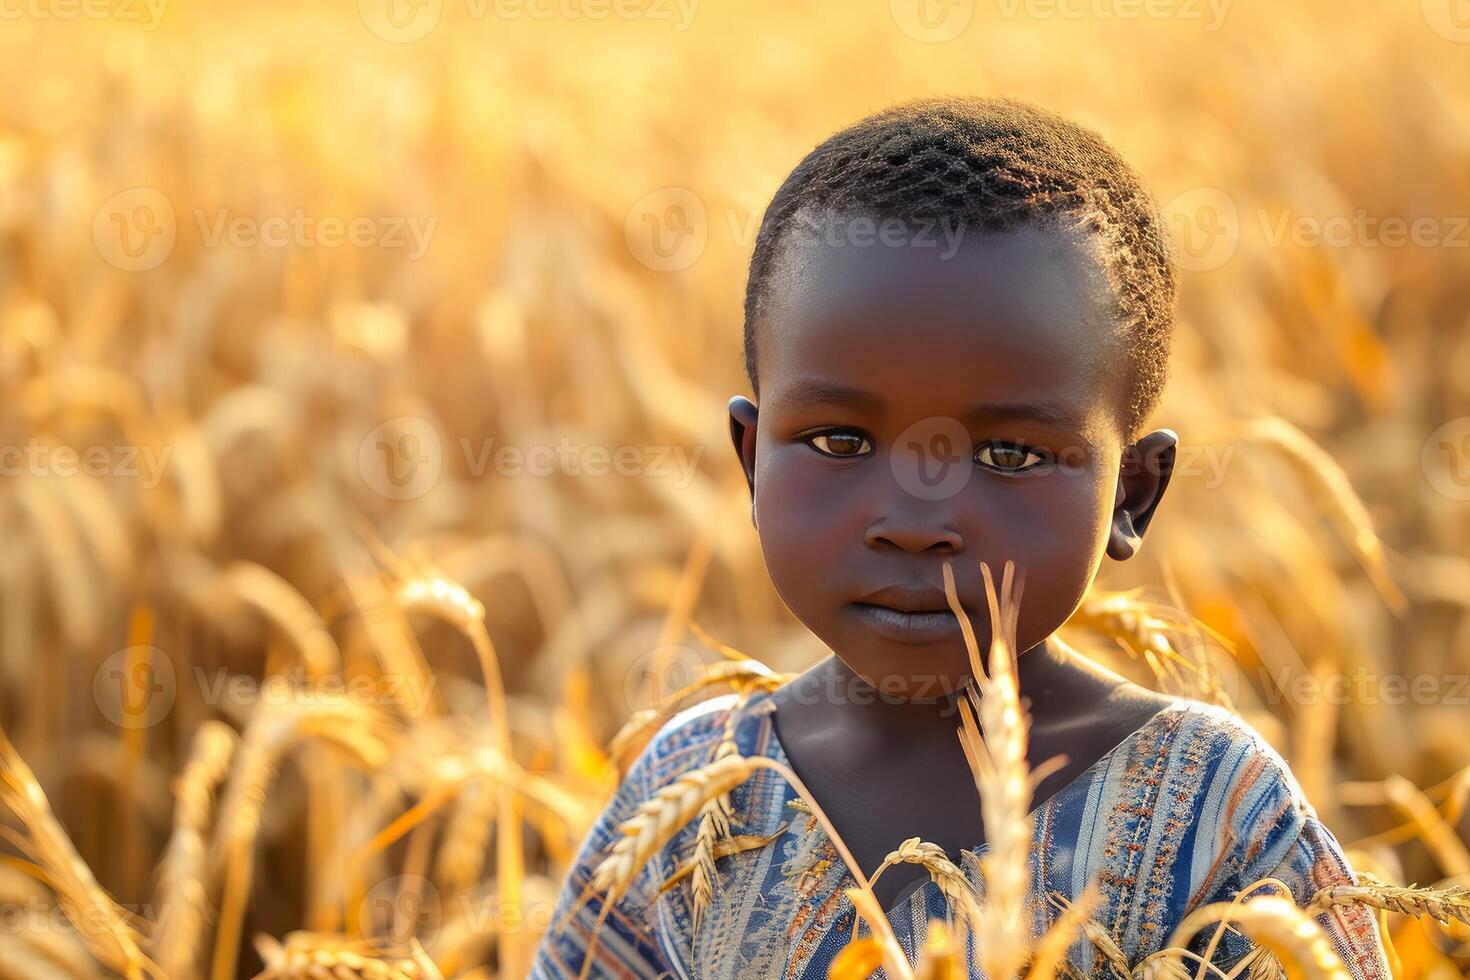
(1186, 811)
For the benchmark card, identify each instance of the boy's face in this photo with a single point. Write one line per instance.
(929, 404)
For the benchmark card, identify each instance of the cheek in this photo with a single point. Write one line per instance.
(805, 523)
(1056, 533)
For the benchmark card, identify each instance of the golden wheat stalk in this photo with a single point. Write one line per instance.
(1262, 965)
(308, 956)
(181, 897)
(461, 857)
(453, 604)
(734, 844)
(1146, 630)
(274, 729)
(1334, 491)
(993, 733)
(1099, 937)
(1448, 849)
(99, 921)
(1276, 923)
(659, 818)
(895, 963)
(743, 675)
(656, 821)
(20, 959)
(950, 878)
(714, 823)
(287, 609)
(1051, 949)
(1441, 904)
(943, 954)
(857, 960)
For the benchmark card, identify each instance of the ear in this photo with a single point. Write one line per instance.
(1147, 466)
(743, 415)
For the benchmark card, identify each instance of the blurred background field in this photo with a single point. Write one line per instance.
(384, 350)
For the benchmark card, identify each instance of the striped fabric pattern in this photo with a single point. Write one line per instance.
(1186, 811)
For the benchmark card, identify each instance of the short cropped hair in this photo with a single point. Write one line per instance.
(990, 165)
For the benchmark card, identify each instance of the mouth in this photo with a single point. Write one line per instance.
(908, 614)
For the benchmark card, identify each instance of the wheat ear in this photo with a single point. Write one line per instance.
(994, 735)
(307, 956)
(1277, 924)
(945, 873)
(1100, 938)
(1441, 904)
(660, 817)
(110, 938)
(714, 825)
(181, 894)
(1051, 948)
(452, 603)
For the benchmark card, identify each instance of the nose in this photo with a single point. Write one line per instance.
(916, 532)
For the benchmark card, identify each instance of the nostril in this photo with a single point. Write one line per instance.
(944, 539)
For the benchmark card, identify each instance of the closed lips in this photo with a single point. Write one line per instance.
(907, 599)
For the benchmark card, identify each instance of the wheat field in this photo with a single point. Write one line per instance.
(365, 486)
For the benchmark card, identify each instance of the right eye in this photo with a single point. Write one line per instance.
(840, 444)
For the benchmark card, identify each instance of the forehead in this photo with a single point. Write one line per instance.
(1019, 316)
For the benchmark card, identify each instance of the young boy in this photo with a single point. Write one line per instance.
(957, 323)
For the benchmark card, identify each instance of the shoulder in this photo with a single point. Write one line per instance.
(1237, 752)
(686, 741)
(689, 739)
(1250, 809)
(1223, 752)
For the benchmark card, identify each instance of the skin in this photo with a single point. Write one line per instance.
(852, 492)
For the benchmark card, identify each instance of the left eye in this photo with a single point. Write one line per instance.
(842, 445)
(1008, 457)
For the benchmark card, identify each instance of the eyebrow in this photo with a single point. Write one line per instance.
(816, 394)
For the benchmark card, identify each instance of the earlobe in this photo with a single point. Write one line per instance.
(743, 418)
(1123, 540)
(1143, 477)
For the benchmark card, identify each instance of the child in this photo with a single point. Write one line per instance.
(957, 323)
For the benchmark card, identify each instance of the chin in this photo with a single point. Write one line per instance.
(909, 672)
